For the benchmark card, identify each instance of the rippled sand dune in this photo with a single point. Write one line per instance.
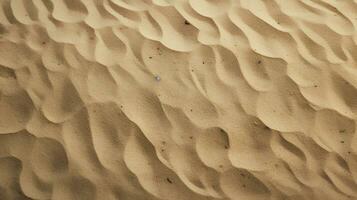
(178, 99)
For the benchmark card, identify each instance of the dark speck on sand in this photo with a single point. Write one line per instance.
(169, 180)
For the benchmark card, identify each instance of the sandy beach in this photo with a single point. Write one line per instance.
(178, 99)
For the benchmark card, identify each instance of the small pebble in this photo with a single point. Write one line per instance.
(157, 78)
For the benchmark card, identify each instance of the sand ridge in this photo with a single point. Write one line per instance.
(178, 99)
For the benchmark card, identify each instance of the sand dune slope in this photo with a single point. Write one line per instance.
(178, 99)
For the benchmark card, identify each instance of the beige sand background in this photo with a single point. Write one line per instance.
(178, 100)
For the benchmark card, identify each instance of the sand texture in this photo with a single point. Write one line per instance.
(178, 99)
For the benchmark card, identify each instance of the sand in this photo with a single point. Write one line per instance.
(178, 99)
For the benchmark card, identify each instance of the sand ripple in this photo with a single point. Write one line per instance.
(178, 99)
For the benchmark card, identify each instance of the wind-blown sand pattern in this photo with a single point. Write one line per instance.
(178, 99)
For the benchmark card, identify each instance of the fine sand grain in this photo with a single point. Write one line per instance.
(178, 99)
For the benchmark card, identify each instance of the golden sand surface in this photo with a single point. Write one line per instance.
(178, 99)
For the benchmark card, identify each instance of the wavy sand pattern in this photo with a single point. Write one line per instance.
(178, 99)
